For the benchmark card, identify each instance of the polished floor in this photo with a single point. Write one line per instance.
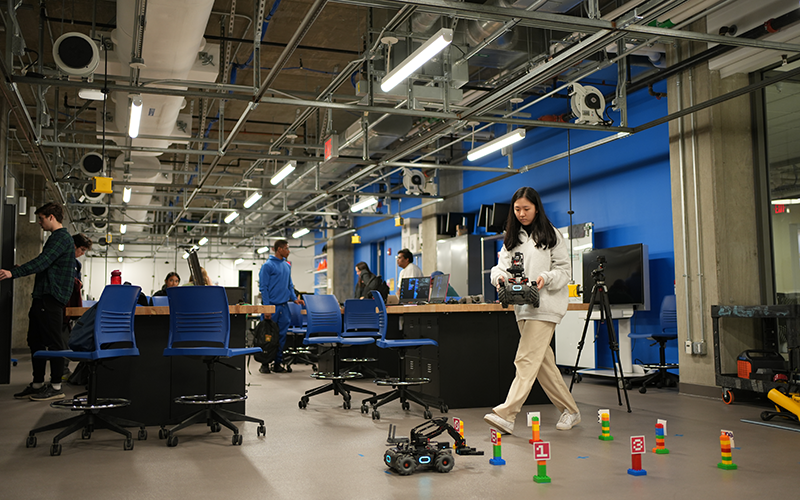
(326, 452)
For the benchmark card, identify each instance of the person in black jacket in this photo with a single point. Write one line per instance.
(366, 281)
(172, 280)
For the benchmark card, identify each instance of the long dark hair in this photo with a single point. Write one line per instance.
(543, 232)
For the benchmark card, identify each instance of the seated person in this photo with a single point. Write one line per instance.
(171, 280)
(367, 282)
(205, 278)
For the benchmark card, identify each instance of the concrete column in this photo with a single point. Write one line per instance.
(714, 217)
(29, 244)
(450, 181)
(340, 266)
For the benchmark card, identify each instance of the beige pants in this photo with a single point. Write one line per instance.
(535, 359)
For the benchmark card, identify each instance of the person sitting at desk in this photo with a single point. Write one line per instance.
(172, 279)
(451, 292)
(206, 279)
(367, 282)
(405, 259)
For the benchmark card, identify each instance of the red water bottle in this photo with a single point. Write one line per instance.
(116, 277)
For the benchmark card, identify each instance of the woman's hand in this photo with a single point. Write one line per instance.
(539, 282)
(500, 283)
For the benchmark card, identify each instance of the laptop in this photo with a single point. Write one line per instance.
(415, 290)
(439, 289)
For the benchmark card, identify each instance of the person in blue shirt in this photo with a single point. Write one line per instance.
(277, 289)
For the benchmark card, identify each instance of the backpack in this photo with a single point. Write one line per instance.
(82, 336)
(382, 288)
(266, 337)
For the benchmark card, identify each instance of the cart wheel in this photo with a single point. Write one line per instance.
(727, 396)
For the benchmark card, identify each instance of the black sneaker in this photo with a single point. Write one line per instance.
(27, 392)
(48, 393)
(278, 368)
(264, 369)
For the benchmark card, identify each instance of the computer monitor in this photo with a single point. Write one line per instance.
(439, 288)
(194, 269)
(415, 290)
(485, 216)
(499, 216)
(460, 218)
(236, 295)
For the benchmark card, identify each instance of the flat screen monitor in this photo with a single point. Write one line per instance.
(460, 219)
(415, 290)
(236, 295)
(194, 269)
(439, 288)
(485, 216)
(499, 216)
(627, 275)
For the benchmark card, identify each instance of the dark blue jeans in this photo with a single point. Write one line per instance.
(282, 319)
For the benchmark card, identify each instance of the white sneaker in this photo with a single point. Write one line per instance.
(498, 422)
(568, 420)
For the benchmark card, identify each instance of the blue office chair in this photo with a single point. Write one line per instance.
(160, 301)
(113, 338)
(199, 326)
(668, 318)
(325, 327)
(361, 320)
(295, 353)
(401, 384)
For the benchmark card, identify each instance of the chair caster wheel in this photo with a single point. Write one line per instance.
(30, 442)
(443, 408)
(55, 450)
(659, 385)
(162, 433)
(236, 440)
(86, 433)
(629, 386)
(364, 409)
(376, 415)
(128, 444)
(261, 430)
(142, 435)
(172, 441)
(346, 405)
(406, 405)
(427, 414)
(643, 389)
(215, 427)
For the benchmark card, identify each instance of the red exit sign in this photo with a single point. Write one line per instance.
(779, 209)
(332, 147)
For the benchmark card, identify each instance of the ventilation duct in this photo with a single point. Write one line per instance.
(91, 164)
(88, 195)
(143, 169)
(99, 211)
(76, 55)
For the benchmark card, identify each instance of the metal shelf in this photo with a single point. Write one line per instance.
(321, 271)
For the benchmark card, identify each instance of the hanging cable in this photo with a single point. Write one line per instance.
(570, 212)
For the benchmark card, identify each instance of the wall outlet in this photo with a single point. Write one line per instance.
(688, 346)
(699, 348)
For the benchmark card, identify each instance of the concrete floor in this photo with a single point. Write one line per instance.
(326, 452)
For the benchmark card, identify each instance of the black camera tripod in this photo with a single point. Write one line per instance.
(600, 295)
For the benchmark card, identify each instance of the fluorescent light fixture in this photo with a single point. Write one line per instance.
(262, 250)
(22, 202)
(283, 172)
(136, 116)
(123, 228)
(423, 54)
(301, 232)
(238, 261)
(622, 135)
(11, 186)
(126, 195)
(202, 241)
(229, 218)
(185, 255)
(249, 202)
(32, 215)
(119, 259)
(497, 144)
(122, 247)
(91, 94)
(364, 203)
(787, 201)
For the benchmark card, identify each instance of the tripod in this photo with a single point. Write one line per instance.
(600, 295)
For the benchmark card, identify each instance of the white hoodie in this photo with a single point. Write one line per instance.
(552, 265)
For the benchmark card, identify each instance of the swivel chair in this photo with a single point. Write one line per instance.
(325, 327)
(361, 320)
(113, 338)
(400, 385)
(160, 301)
(668, 318)
(199, 326)
(295, 353)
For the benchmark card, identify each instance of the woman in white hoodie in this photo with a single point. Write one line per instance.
(546, 262)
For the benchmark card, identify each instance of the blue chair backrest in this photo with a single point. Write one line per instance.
(160, 301)
(198, 314)
(360, 315)
(324, 315)
(669, 315)
(383, 318)
(115, 313)
(89, 303)
(295, 314)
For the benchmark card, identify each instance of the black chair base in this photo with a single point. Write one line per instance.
(337, 385)
(659, 378)
(215, 418)
(87, 423)
(402, 392)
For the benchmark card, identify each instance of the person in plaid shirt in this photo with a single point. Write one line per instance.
(55, 273)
